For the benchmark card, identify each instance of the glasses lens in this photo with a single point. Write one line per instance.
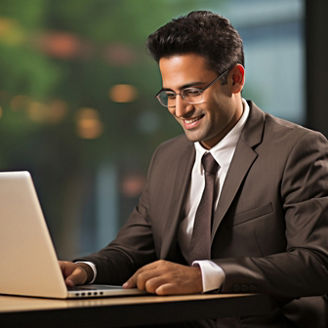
(192, 95)
(189, 95)
(162, 98)
(166, 99)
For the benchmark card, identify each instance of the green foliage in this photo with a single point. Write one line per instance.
(71, 53)
(29, 14)
(26, 71)
(105, 32)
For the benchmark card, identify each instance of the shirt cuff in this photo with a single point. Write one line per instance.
(212, 275)
(94, 269)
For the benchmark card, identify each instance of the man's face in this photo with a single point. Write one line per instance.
(211, 120)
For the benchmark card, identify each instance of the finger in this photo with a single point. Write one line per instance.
(132, 281)
(152, 284)
(135, 280)
(148, 278)
(153, 267)
(66, 267)
(169, 289)
(77, 277)
(176, 287)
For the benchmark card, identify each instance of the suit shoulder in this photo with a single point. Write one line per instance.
(271, 134)
(280, 128)
(174, 145)
(275, 126)
(172, 152)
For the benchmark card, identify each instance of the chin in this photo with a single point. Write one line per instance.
(190, 136)
(195, 135)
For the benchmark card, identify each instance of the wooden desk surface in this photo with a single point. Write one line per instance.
(126, 311)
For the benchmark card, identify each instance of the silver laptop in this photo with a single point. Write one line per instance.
(28, 262)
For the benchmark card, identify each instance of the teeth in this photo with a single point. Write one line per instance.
(191, 121)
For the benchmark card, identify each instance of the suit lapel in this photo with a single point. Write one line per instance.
(244, 157)
(181, 174)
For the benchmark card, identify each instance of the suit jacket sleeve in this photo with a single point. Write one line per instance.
(301, 270)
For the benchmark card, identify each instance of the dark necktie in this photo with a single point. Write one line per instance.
(200, 246)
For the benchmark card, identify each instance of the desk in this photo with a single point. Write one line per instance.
(126, 311)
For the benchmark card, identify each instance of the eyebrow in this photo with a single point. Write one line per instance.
(188, 85)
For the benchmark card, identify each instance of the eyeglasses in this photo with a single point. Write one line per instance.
(191, 95)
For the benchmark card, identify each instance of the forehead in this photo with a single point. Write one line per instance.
(179, 70)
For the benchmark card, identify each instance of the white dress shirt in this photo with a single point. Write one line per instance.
(212, 275)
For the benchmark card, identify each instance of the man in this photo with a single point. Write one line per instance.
(254, 221)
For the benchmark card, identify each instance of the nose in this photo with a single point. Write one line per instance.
(182, 108)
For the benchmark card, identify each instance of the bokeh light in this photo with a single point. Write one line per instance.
(89, 125)
(123, 93)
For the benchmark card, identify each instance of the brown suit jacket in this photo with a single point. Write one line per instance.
(270, 230)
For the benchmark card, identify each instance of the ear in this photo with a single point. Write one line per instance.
(237, 78)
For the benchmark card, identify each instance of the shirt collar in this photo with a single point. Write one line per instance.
(224, 149)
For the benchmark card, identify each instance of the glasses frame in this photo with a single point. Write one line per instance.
(181, 95)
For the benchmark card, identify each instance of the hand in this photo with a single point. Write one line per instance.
(167, 278)
(74, 274)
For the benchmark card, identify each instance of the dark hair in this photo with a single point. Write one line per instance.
(201, 32)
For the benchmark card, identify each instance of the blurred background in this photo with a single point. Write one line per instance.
(77, 106)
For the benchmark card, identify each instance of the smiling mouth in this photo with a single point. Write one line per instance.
(192, 122)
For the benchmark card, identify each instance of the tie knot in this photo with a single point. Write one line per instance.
(210, 165)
